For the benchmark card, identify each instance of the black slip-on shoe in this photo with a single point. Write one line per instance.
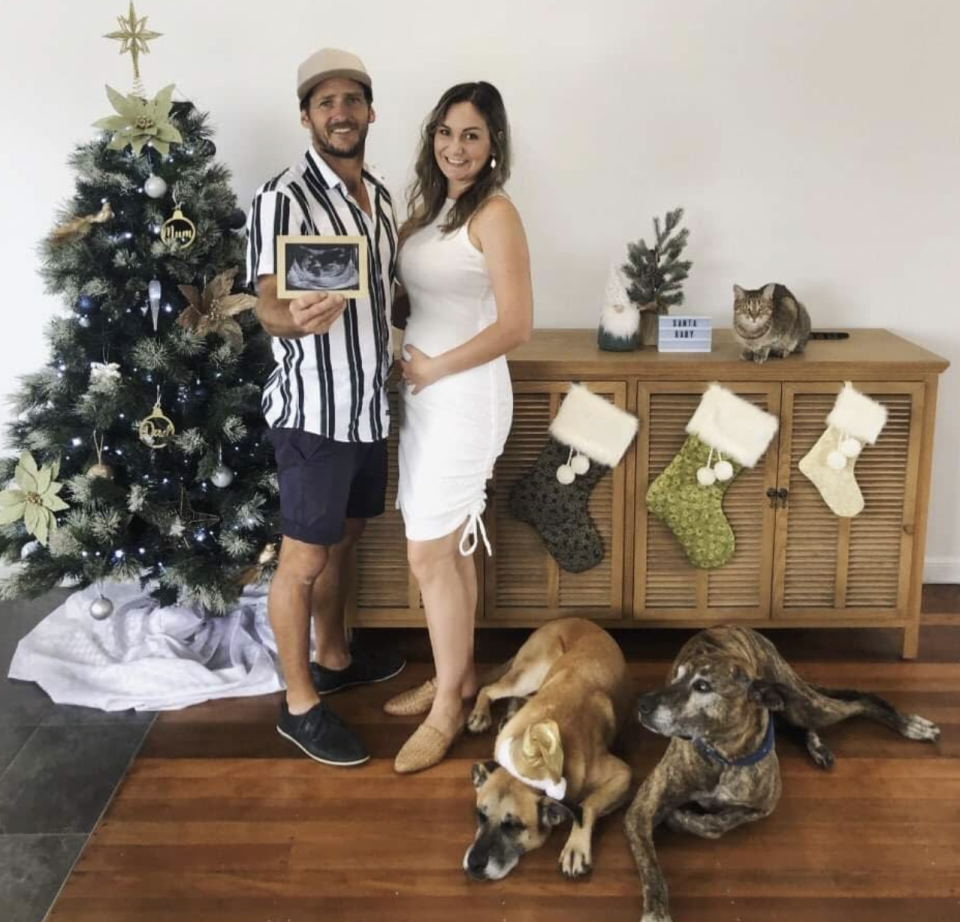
(366, 666)
(322, 735)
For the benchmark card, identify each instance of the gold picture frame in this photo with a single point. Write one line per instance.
(336, 264)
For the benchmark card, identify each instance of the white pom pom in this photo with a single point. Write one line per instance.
(723, 470)
(580, 464)
(706, 477)
(836, 460)
(851, 447)
(565, 474)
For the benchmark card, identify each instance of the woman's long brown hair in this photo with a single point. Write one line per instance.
(428, 192)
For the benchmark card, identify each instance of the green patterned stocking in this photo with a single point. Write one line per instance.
(726, 434)
(692, 511)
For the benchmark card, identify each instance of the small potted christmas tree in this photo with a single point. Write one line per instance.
(656, 274)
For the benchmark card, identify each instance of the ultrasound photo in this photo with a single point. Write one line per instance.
(335, 264)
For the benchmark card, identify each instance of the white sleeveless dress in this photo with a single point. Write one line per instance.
(452, 432)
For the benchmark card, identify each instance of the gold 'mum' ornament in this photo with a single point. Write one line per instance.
(156, 430)
(178, 230)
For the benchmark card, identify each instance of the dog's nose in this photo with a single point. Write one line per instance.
(646, 705)
(476, 863)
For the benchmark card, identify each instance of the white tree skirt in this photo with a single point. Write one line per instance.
(147, 657)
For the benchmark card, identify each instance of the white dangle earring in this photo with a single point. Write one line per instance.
(493, 163)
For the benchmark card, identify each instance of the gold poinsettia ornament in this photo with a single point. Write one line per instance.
(140, 121)
(214, 310)
(36, 500)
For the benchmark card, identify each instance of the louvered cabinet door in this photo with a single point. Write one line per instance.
(860, 567)
(523, 583)
(668, 587)
(383, 590)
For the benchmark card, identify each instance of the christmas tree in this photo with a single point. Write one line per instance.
(657, 273)
(141, 449)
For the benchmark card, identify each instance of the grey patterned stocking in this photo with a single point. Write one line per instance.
(559, 511)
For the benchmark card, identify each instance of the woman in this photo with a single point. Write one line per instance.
(465, 267)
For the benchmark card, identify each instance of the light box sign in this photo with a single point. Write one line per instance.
(684, 334)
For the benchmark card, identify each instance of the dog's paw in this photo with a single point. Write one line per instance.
(819, 752)
(479, 721)
(919, 728)
(575, 861)
(655, 917)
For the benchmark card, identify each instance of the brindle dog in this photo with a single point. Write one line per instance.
(720, 769)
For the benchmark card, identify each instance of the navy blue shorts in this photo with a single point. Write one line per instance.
(323, 483)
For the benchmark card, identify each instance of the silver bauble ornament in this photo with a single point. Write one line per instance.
(100, 470)
(565, 474)
(155, 186)
(101, 608)
(580, 464)
(222, 476)
(723, 470)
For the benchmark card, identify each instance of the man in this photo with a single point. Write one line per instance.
(326, 401)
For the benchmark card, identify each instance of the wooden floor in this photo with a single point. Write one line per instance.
(219, 819)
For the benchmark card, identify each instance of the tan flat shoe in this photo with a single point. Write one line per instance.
(425, 748)
(417, 700)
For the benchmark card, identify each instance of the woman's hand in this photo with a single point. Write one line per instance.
(420, 370)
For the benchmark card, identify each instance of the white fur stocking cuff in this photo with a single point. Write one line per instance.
(733, 426)
(857, 415)
(593, 426)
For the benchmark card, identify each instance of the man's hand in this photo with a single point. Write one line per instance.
(316, 312)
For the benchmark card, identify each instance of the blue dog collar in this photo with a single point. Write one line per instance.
(766, 747)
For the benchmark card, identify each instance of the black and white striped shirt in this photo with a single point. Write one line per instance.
(334, 384)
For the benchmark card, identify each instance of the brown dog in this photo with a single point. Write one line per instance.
(720, 769)
(552, 755)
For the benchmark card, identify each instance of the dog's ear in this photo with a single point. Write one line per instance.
(552, 813)
(771, 695)
(481, 771)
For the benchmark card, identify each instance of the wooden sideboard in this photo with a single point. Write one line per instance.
(796, 564)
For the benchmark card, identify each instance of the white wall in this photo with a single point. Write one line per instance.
(813, 142)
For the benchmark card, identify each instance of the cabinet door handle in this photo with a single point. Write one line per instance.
(782, 495)
(773, 496)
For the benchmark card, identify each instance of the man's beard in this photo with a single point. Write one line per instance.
(344, 153)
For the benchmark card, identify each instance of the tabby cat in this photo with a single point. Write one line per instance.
(769, 321)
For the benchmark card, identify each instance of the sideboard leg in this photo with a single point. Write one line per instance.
(911, 639)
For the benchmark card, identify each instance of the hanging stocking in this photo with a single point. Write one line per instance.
(587, 438)
(725, 434)
(854, 420)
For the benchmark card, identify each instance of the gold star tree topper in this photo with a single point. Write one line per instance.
(133, 36)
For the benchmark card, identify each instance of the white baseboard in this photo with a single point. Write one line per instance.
(941, 570)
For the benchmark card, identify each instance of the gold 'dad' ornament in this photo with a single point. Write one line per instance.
(156, 430)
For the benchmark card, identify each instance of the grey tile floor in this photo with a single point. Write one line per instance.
(59, 767)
